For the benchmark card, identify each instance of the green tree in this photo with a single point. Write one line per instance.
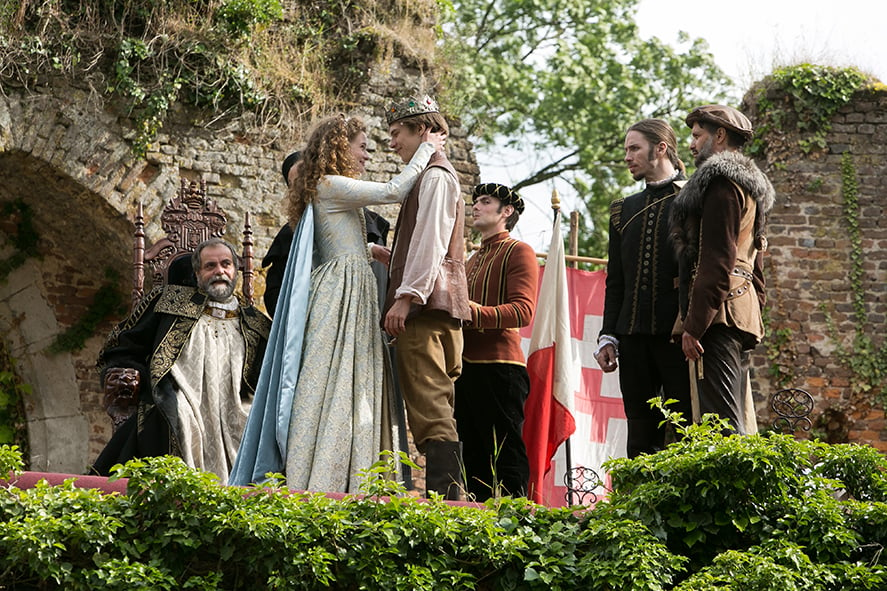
(569, 78)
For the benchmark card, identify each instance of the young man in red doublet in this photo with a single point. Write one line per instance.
(494, 384)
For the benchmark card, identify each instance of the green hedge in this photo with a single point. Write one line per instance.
(756, 512)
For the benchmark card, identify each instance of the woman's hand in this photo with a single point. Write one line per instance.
(438, 139)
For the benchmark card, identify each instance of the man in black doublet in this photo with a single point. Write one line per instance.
(641, 301)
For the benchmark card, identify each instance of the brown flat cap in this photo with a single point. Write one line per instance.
(723, 116)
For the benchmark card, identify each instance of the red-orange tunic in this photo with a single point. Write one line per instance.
(502, 278)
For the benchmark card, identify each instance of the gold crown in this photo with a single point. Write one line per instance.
(410, 107)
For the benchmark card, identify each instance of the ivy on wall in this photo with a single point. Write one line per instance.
(866, 360)
(780, 352)
(107, 302)
(803, 98)
(793, 108)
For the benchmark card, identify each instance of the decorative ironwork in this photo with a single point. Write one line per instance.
(792, 407)
(581, 483)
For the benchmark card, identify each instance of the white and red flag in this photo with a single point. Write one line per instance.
(548, 412)
(569, 394)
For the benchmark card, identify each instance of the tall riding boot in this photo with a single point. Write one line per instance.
(443, 469)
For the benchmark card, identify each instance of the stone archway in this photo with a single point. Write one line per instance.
(79, 240)
(69, 163)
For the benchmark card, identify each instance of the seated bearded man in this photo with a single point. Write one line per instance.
(188, 360)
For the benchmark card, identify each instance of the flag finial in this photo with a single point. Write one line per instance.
(555, 200)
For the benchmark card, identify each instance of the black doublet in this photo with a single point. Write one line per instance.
(641, 296)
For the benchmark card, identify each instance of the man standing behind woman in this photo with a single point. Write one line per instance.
(322, 407)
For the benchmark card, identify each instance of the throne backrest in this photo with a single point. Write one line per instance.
(188, 219)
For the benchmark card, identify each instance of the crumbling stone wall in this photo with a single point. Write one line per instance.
(812, 320)
(69, 159)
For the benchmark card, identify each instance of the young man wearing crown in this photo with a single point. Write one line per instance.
(427, 298)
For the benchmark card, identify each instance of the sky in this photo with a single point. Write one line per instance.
(748, 39)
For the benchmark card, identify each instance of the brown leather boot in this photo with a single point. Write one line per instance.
(443, 469)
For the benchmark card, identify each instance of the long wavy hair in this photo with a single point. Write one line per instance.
(328, 152)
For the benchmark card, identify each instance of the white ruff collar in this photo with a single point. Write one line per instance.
(229, 304)
(664, 181)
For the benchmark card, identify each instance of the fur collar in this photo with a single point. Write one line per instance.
(687, 206)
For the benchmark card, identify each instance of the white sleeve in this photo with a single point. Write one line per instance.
(342, 193)
(430, 241)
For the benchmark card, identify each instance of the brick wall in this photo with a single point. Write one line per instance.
(69, 159)
(808, 267)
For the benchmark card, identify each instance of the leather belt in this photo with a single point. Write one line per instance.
(741, 289)
(742, 273)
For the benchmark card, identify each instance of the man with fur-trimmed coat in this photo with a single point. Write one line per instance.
(717, 225)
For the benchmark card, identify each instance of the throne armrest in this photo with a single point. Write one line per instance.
(121, 393)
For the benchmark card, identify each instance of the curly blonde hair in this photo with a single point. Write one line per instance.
(328, 151)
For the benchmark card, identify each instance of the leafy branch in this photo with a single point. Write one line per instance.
(569, 78)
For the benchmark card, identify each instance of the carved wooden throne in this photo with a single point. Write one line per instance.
(188, 219)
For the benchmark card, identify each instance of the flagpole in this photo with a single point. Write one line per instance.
(568, 452)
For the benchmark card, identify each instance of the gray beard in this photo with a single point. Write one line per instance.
(219, 292)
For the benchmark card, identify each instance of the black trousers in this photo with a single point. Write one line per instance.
(725, 365)
(651, 366)
(490, 418)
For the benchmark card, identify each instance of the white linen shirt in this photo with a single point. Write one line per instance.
(435, 218)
